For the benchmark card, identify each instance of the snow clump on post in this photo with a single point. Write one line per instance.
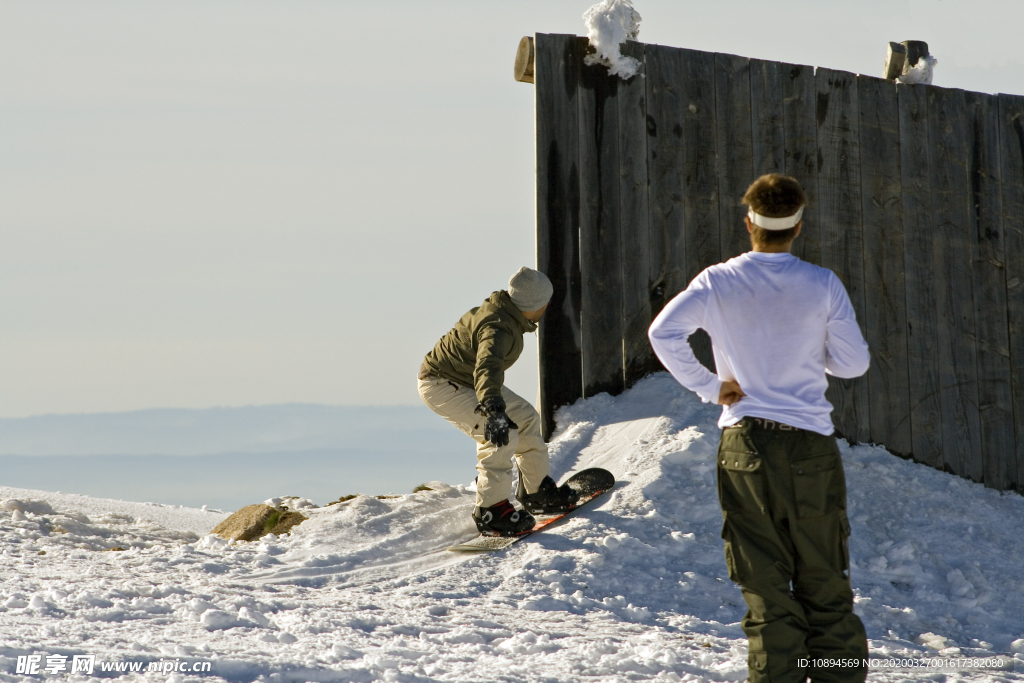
(920, 72)
(609, 24)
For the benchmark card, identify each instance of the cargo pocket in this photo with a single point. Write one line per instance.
(741, 486)
(757, 661)
(844, 536)
(730, 559)
(818, 484)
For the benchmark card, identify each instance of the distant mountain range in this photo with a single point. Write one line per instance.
(229, 457)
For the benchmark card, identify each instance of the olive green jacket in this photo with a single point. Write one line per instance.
(481, 347)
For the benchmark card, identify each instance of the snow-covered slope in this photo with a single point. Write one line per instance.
(632, 589)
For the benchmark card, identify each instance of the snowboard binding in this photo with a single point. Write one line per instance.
(550, 499)
(502, 520)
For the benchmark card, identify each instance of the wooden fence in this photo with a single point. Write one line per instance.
(916, 201)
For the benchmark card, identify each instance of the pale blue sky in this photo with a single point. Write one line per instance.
(227, 203)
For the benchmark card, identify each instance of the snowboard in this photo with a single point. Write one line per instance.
(590, 483)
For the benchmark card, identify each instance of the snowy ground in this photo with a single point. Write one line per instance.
(633, 589)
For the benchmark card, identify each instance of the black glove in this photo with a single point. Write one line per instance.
(498, 423)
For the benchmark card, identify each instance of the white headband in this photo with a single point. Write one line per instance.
(776, 223)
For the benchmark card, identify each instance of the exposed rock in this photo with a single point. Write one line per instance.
(255, 521)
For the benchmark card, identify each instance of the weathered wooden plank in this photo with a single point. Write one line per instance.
(995, 400)
(600, 228)
(556, 67)
(665, 173)
(841, 229)
(700, 162)
(954, 282)
(682, 163)
(801, 134)
(700, 176)
(767, 117)
(885, 302)
(1011, 137)
(735, 150)
(919, 266)
(637, 355)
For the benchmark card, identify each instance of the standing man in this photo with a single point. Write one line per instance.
(462, 380)
(778, 325)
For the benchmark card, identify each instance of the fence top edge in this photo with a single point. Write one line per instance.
(759, 60)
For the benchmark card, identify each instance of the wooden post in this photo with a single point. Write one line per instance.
(895, 58)
(558, 219)
(901, 57)
(523, 71)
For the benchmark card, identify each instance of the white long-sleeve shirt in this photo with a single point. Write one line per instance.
(777, 326)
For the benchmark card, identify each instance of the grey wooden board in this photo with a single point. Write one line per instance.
(995, 400)
(767, 117)
(885, 303)
(919, 266)
(841, 228)
(1011, 147)
(954, 282)
(700, 162)
(700, 176)
(801, 134)
(558, 206)
(735, 150)
(637, 355)
(667, 238)
(600, 228)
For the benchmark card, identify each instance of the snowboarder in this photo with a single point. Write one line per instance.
(777, 326)
(462, 380)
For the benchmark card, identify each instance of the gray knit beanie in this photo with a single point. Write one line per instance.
(530, 289)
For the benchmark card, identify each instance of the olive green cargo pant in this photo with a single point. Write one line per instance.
(783, 496)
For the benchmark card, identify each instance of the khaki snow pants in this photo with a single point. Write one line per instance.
(783, 496)
(457, 404)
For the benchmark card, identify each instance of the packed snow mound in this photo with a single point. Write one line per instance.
(610, 23)
(631, 588)
(920, 73)
(51, 508)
